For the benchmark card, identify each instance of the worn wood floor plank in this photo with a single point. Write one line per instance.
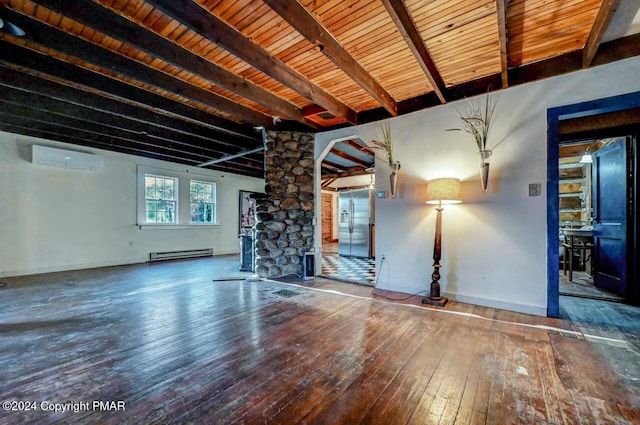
(193, 342)
(402, 395)
(374, 376)
(268, 398)
(472, 384)
(296, 407)
(246, 370)
(445, 409)
(435, 380)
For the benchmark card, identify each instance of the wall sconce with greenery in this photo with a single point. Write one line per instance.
(477, 122)
(386, 145)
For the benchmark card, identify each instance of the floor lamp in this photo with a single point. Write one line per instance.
(440, 192)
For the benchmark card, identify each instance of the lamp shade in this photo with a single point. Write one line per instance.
(444, 190)
(586, 159)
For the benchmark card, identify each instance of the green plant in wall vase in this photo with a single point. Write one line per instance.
(477, 122)
(386, 146)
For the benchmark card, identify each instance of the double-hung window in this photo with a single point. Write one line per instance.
(203, 202)
(174, 199)
(161, 196)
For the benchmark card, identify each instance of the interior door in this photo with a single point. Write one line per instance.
(610, 216)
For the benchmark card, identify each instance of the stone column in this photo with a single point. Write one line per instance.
(284, 228)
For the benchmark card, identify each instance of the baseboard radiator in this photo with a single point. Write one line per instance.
(177, 255)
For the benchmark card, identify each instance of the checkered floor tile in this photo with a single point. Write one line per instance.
(360, 270)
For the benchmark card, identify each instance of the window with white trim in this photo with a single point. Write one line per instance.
(203, 202)
(161, 196)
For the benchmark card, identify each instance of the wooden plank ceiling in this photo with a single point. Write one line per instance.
(351, 157)
(196, 81)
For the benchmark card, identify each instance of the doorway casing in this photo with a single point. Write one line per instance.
(554, 117)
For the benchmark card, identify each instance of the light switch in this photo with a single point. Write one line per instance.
(535, 189)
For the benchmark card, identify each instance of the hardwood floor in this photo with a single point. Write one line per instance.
(582, 286)
(194, 342)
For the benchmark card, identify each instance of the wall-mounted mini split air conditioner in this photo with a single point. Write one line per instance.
(54, 157)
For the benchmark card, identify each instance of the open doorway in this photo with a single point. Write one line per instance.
(348, 212)
(612, 127)
(594, 183)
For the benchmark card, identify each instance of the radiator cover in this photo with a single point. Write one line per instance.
(176, 255)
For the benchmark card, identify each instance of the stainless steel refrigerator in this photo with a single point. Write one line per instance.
(356, 214)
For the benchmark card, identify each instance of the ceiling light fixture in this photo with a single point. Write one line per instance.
(586, 158)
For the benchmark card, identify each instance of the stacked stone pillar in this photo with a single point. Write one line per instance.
(284, 228)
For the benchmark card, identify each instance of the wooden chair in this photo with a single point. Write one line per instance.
(582, 246)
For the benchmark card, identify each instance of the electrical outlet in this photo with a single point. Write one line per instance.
(130, 243)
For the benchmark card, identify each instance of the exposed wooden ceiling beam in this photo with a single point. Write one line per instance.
(84, 119)
(502, 34)
(332, 166)
(596, 124)
(52, 131)
(325, 183)
(103, 110)
(355, 171)
(230, 157)
(138, 110)
(112, 24)
(401, 17)
(616, 50)
(573, 149)
(606, 11)
(70, 110)
(608, 52)
(41, 85)
(60, 41)
(18, 57)
(351, 158)
(306, 24)
(62, 127)
(194, 149)
(214, 29)
(362, 148)
(73, 124)
(249, 160)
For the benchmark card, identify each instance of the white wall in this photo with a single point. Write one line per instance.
(55, 219)
(494, 244)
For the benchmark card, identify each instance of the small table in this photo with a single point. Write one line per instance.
(580, 240)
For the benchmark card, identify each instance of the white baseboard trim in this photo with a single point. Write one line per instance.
(469, 299)
(226, 252)
(401, 288)
(54, 269)
(503, 305)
